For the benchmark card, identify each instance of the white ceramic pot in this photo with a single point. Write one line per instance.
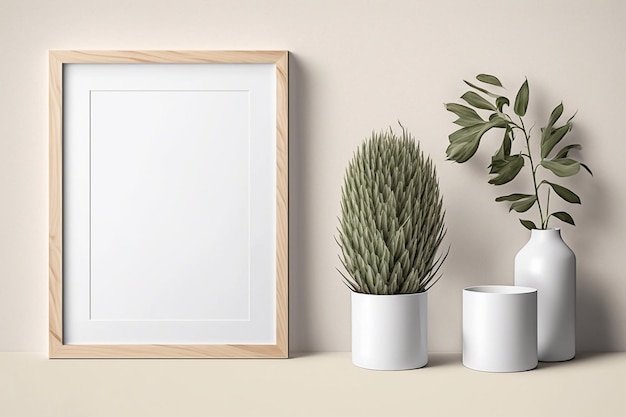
(548, 264)
(390, 332)
(500, 328)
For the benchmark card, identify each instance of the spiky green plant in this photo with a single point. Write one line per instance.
(392, 217)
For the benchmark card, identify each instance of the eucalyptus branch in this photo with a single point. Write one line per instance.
(505, 165)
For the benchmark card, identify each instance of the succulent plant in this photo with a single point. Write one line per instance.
(392, 217)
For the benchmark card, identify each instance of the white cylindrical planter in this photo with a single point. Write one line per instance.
(548, 264)
(500, 328)
(390, 332)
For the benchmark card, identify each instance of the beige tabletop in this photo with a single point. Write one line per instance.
(316, 384)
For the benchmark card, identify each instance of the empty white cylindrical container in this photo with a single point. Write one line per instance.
(390, 332)
(500, 328)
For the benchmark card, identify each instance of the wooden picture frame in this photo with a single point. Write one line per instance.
(203, 227)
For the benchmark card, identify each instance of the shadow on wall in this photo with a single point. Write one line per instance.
(595, 322)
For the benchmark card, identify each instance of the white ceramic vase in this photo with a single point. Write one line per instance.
(390, 332)
(549, 265)
(500, 328)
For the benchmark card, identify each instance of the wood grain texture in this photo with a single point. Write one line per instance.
(177, 57)
(55, 302)
(57, 348)
(282, 201)
(168, 351)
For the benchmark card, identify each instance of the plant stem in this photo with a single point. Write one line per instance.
(545, 226)
(533, 171)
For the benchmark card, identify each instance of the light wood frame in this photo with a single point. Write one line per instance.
(57, 347)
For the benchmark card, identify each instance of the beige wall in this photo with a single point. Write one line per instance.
(356, 66)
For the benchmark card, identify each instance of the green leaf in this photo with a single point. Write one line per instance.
(467, 116)
(521, 100)
(501, 102)
(562, 167)
(562, 153)
(489, 79)
(563, 216)
(498, 121)
(552, 138)
(475, 100)
(505, 148)
(499, 159)
(497, 164)
(509, 170)
(464, 142)
(528, 224)
(523, 205)
(462, 148)
(565, 193)
(482, 90)
(572, 118)
(513, 197)
(464, 134)
(554, 116)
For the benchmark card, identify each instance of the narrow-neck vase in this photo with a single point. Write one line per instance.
(549, 265)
